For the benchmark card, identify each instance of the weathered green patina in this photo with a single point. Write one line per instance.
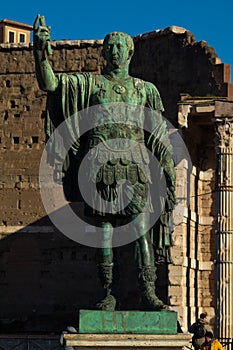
(131, 322)
(68, 94)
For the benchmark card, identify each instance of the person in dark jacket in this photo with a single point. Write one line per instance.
(199, 329)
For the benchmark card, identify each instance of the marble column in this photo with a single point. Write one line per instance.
(224, 227)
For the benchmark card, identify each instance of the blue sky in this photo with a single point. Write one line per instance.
(207, 20)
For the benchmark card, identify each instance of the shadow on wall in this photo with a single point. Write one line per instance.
(46, 278)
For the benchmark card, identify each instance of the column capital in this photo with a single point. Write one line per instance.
(224, 131)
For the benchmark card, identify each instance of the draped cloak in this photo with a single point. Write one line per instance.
(74, 95)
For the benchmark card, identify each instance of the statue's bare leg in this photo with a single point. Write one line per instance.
(146, 267)
(105, 266)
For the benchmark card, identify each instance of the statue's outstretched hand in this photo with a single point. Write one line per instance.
(41, 35)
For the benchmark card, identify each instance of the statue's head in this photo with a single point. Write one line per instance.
(118, 49)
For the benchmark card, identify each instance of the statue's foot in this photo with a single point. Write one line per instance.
(107, 304)
(149, 299)
(150, 302)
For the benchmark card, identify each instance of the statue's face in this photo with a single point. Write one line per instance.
(116, 51)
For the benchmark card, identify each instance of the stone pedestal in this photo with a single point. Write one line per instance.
(128, 341)
(117, 330)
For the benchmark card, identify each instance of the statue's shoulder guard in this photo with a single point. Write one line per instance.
(153, 96)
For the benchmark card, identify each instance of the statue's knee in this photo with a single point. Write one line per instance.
(141, 228)
(107, 229)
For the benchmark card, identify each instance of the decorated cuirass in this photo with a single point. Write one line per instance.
(116, 146)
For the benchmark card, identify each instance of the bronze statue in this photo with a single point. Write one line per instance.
(70, 93)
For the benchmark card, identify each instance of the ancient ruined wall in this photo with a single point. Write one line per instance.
(42, 272)
(177, 63)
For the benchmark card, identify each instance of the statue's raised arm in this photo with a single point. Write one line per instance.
(42, 48)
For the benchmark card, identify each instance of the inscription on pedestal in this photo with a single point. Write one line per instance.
(134, 322)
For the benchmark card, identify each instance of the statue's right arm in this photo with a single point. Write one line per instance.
(41, 47)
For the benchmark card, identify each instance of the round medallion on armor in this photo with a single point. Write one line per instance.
(119, 89)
